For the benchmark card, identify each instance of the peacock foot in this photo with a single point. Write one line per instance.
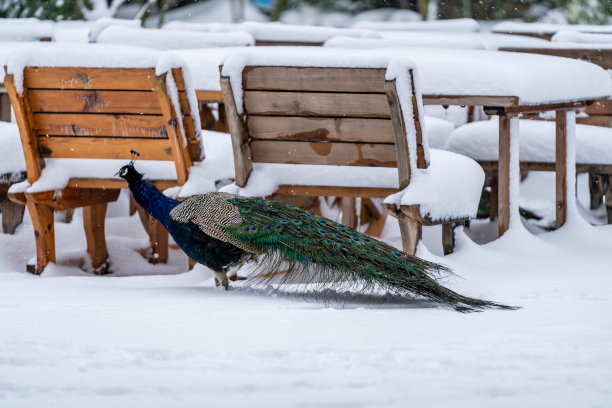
(221, 279)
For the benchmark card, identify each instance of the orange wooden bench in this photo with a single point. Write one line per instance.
(97, 113)
(333, 116)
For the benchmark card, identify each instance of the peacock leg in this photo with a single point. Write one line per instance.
(221, 279)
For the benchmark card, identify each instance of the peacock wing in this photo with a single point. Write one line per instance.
(212, 213)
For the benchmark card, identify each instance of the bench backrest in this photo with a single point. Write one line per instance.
(102, 113)
(321, 116)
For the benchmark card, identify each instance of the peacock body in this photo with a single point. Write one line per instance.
(221, 230)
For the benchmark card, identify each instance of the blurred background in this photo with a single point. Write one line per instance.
(337, 13)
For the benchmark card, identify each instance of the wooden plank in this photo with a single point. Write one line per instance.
(332, 153)
(182, 160)
(114, 183)
(209, 96)
(470, 100)
(527, 109)
(314, 79)
(105, 148)
(89, 78)
(243, 161)
(320, 129)
(270, 43)
(402, 149)
(541, 166)
(600, 107)
(93, 223)
(336, 191)
(73, 197)
(544, 36)
(601, 57)
(44, 234)
(503, 195)
(29, 141)
(561, 168)
(596, 120)
(91, 124)
(12, 216)
(94, 101)
(316, 104)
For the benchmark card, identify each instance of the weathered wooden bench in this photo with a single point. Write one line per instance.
(343, 118)
(97, 113)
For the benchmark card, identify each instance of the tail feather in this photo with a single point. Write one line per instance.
(315, 249)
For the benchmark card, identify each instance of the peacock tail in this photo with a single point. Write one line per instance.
(331, 253)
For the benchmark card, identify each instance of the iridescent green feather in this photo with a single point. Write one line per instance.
(302, 241)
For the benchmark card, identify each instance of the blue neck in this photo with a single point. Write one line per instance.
(152, 200)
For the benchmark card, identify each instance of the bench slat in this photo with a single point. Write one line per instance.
(107, 148)
(69, 124)
(314, 79)
(320, 129)
(85, 101)
(139, 79)
(316, 104)
(331, 153)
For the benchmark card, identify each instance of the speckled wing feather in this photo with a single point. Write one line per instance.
(213, 213)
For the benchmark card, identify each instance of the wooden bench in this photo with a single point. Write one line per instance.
(328, 116)
(97, 113)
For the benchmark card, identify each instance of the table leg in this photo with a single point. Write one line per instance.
(5, 107)
(565, 164)
(508, 172)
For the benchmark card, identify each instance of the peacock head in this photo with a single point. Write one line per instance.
(129, 173)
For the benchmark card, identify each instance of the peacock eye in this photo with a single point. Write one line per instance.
(124, 172)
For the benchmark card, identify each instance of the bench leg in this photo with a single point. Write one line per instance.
(411, 233)
(608, 199)
(44, 234)
(12, 216)
(349, 217)
(448, 238)
(93, 222)
(493, 202)
(596, 190)
(372, 215)
(158, 236)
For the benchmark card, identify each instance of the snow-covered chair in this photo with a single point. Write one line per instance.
(329, 123)
(80, 111)
(479, 140)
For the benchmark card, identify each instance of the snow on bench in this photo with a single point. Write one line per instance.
(479, 140)
(421, 39)
(272, 33)
(30, 31)
(532, 79)
(451, 25)
(566, 36)
(102, 23)
(546, 31)
(172, 39)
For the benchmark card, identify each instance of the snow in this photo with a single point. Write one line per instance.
(533, 78)
(276, 31)
(215, 11)
(172, 40)
(451, 25)
(450, 178)
(479, 140)
(26, 32)
(6, 48)
(541, 28)
(428, 39)
(159, 335)
(11, 154)
(578, 37)
(437, 130)
(102, 23)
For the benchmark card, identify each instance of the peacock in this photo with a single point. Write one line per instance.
(223, 231)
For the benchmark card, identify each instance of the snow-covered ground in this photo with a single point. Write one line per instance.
(163, 336)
